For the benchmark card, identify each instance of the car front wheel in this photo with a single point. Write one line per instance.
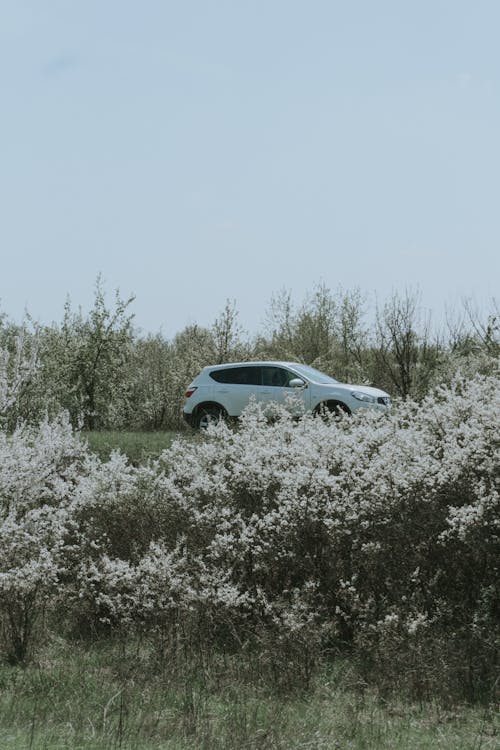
(329, 409)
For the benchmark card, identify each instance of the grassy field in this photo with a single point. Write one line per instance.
(138, 446)
(114, 696)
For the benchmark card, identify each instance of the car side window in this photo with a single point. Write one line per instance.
(237, 375)
(277, 377)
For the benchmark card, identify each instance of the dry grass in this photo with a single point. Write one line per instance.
(116, 695)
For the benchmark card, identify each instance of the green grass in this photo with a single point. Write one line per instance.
(138, 446)
(116, 696)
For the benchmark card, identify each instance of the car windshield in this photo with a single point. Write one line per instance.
(311, 374)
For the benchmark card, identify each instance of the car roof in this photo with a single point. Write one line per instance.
(273, 362)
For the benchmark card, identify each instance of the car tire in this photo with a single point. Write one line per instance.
(207, 415)
(330, 409)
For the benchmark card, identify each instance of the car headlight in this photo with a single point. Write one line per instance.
(364, 397)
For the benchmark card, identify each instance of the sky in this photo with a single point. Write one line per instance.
(196, 151)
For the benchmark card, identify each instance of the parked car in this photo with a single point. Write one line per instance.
(221, 391)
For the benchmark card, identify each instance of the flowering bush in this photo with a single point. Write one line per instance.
(377, 531)
(39, 470)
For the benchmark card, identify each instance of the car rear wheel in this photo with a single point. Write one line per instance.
(207, 415)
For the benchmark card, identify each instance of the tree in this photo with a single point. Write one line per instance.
(315, 326)
(305, 334)
(327, 331)
(485, 332)
(228, 336)
(149, 399)
(277, 340)
(405, 356)
(19, 367)
(91, 355)
(190, 350)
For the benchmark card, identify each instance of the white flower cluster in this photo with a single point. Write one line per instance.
(350, 525)
(39, 471)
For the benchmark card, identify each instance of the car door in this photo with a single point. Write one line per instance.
(235, 386)
(276, 388)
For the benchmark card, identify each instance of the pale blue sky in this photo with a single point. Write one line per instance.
(197, 151)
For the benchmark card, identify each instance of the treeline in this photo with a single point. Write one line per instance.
(108, 375)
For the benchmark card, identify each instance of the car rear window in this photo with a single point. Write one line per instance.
(238, 375)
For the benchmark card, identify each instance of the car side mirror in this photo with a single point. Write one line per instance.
(296, 383)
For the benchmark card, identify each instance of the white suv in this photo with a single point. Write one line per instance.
(221, 391)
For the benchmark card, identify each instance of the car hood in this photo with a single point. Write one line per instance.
(368, 389)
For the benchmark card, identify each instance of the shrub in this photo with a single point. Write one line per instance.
(39, 471)
(377, 532)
